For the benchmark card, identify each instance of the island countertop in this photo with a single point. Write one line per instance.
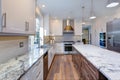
(106, 61)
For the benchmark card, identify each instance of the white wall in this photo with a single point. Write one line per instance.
(56, 27)
(99, 25)
(9, 47)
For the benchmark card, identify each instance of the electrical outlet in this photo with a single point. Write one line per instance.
(21, 44)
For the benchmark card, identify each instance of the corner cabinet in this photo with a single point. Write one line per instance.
(17, 16)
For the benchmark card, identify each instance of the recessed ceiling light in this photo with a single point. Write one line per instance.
(43, 5)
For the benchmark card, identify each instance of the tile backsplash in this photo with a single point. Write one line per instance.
(68, 38)
(12, 47)
(63, 38)
(46, 39)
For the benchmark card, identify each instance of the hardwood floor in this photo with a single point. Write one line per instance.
(63, 69)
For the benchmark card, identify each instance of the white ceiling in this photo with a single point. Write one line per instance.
(72, 8)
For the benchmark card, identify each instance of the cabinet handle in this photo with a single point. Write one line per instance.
(38, 74)
(4, 20)
(26, 26)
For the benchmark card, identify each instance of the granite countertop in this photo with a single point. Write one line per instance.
(106, 61)
(15, 67)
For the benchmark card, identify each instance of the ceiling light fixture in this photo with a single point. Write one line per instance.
(112, 3)
(83, 21)
(43, 5)
(92, 13)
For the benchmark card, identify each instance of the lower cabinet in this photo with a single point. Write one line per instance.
(85, 69)
(35, 72)
(40, 69)
(59, 48)
(76, 58)
(51, 54)
(89, 72)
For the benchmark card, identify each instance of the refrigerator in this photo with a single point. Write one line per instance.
(113, 35)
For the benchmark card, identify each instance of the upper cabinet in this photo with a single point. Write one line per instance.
(0, 16)
(56, 27)
(18, 16)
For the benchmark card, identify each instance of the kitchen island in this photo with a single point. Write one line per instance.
(105, 61)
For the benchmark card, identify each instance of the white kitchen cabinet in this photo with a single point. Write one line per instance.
(0, 16)
(51, 54)
(35, 72)
(59, 48)
(18, 16)
(56, 27)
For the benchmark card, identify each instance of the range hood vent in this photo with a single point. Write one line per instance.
(68, 26)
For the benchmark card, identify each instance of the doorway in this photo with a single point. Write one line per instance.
(86, 37)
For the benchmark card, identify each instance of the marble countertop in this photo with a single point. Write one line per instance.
(106, 61)
(15, 67)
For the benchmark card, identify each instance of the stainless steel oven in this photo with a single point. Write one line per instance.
(68, 46)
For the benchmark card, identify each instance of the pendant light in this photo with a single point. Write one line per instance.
(92, 14)
(112, 3)
(83, 21)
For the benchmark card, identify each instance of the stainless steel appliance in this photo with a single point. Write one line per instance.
(68, 46)
(113, 35)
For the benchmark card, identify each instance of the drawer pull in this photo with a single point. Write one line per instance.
(4, 20)
(26, 26)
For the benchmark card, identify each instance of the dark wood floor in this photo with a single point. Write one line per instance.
(63, 69)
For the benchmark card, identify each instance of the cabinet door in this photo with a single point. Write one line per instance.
(89, 71)
(51, 54)
(35, 72)
(0, 18)
(17, 15)
(30, 16)
(59, 48)
(39, 75)
(26, 76)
